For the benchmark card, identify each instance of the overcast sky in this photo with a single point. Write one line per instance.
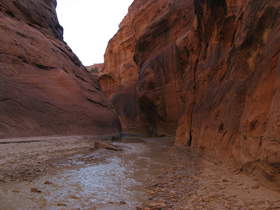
(90, 24)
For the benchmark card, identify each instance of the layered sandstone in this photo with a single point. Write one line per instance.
(44, 89)
(150, 108)
(232, 109)
(208, 70)
(96, 68)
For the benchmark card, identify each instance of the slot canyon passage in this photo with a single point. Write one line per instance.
(182, 114)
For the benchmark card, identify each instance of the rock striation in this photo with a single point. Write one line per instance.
(205, 70)
(44, 88)
(147, 101)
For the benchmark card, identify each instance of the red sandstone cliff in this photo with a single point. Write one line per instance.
(152, 108)
(44, 89)
(205, 69)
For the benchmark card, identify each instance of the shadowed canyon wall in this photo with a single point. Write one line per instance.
(207, 70)
(142, 73)
(44, 89)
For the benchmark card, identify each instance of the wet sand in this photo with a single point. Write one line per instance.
(70, 173)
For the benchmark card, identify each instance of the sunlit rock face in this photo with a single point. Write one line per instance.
(206, 70)
(44, 89)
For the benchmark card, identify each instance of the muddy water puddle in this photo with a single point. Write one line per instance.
(101, 180)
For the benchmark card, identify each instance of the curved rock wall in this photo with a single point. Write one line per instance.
(236, 86)
(207, 69)
(145, 39)
(44, 89)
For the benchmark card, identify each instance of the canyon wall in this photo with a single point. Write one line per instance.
(144, 84)
(44, 89)
(205, 70)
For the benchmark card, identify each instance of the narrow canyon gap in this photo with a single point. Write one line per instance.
(205, 71)
(198, 78)
(88, 31)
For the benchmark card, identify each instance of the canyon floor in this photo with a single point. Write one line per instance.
(75, 172)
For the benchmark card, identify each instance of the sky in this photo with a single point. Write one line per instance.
(90, 24)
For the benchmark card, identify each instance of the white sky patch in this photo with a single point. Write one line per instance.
(90, 24)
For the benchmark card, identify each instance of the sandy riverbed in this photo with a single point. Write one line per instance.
(70, 173)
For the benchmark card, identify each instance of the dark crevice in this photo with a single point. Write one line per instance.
(221, 127)
(43, 67)
(150, 114)
(194, 90)
(19, 142)
(10, 13)
(4, 99)
(80, 78)
(23, 59)
(98, 103)
(21, 34)
(190, 139)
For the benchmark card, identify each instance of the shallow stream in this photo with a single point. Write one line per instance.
(101, 180)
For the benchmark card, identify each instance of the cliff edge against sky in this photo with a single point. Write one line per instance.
(44, 89)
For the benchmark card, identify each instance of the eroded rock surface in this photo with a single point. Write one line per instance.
(44, 89)
(207, 70)
(141, 69)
